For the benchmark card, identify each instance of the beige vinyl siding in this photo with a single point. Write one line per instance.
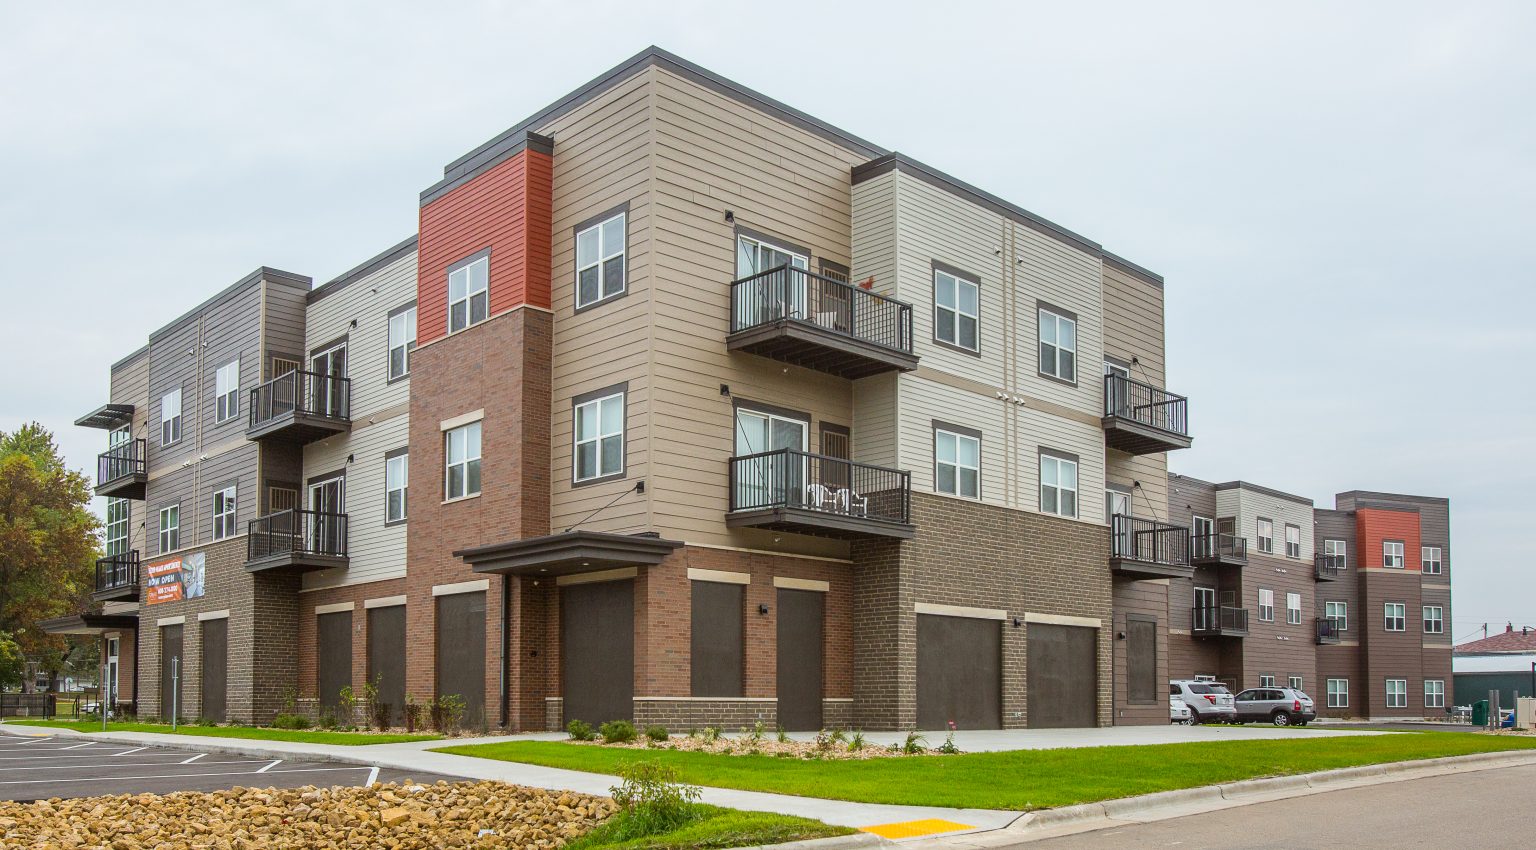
(874, 232)
(875, 406)
(368, 301)
(1051, 271)
(375, 551)
(284, 332)
(600, 163)
(1133, 328)
(1248, 505)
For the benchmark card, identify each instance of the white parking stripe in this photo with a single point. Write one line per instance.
(129, 752)
(373, 776)
(194, 758)
(176, 775)
(95, 755)
(80, 746)
(270, 766)
(116, 765)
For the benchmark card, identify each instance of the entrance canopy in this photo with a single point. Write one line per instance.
(568, 553)
(89, 624)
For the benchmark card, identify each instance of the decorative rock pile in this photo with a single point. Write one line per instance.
(399, 817)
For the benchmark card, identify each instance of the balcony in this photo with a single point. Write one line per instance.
(1327, 631)
(1141, 419)
(117, 578)
(788, 490)
(1219, 550)
(1329, 567)
(1144, 549)
(121, 471)
(300, 408)
(799, 317)
(296, 540)
(1222, 621)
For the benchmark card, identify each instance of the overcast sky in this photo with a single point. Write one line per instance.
(1342, 200)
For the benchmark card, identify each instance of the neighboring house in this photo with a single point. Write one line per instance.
(1505, 662)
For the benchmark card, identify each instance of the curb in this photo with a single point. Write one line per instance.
(836, 842)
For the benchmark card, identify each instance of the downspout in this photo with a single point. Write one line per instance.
(506, 646)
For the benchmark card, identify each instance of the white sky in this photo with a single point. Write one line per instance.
(1342, 198)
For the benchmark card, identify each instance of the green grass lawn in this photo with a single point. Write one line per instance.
(1018, 780)
(246, 732)
(716, 827)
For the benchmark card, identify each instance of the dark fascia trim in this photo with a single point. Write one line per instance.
(1387, 506)
(636, 548)
(621, 209)
(1332, 512)
(738, 403)
(937, 425)
(272, 275)
(1046, 451)
(143, 350)
(364, 269)
(1380, 496)
(1191, 480)
(1268, 491)
(1133, 270)
(107, 417)
(827, 265)
(621, 390)
(833, 428)
(513, 140)
(454, 178)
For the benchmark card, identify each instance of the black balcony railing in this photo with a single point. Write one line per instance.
(1329, 567)
(307, 393)
(124, 460)
(1221, 619)
(1148, 541)
(791, 479)
(1327, 630)
(1210, 547)
(787, 293)
(297, 533)
(1131, 399)
(118, 572)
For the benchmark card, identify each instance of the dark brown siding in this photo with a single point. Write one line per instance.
(1062, 688)
(801, 614)
(215, 661)
(716, 659)
(959, 673)
(460, 653)
(597, 651)
(334, 654)
(1141, 613)
(386, 657)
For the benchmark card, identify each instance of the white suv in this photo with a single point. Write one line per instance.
(1209, 702)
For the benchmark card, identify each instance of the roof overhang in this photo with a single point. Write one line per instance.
(568, 552)
(108, 416)
(89, 624)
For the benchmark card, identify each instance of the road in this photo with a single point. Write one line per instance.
(1487, 808)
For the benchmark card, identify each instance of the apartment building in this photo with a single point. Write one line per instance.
(722, 415)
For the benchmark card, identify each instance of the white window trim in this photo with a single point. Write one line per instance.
(172, 529)
(1295, 683)
(407, 321)
(404, 464)
(596, 406)
(1293, 612)
(956, 463)
(448, 466)
(226, 392)
(1270, 594)
(1266, 681)
(1439, 620)
(1438, 560)
(1336, 698)
(603, 256)
(1264, 542)
(469, 294)
(955, 311)
(1077, 471)
(1401, 616)
(1055, 371)
(1389, 554)
(231, 502)
(1439, 693)
(173, 420)
(1289, 543)
(1401, 696)
(115, 531)
(1343, 619)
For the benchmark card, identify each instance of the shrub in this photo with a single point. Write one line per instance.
(618, 732)
(948, 747)
(856, 743)
(914, 743)
(711, 734)
(756, 737)
(205, 721)
(823, 742)
(346, 706)
(413, 712)
(289, 720)
(446, 712)
(657, 733)
(580, 730)
(375, 712)
(327, 719)
(651, 801)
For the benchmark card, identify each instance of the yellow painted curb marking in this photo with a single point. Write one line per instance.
(915, 828)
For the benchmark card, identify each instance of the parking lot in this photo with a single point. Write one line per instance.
(55, 766)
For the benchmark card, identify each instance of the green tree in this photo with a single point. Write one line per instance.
(12, 662)
(48, 541)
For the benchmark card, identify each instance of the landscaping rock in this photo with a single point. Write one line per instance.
(402, 817)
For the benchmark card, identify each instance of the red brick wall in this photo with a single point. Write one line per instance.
(308, 648)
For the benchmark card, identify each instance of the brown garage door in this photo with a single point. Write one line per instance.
(171, 672)
(1063, 679)
(959, 672)
(799, 659)
(386, 658)
(597, 651)
(215, 666)
(461, 653)
(333, 639)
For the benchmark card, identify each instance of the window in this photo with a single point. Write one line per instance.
(1266, 534)
(463, 456)
(1293, 608)
(600, 261)
(1429, 557)
(1058, 346)
(224, 513)
(1338, 612)
(1336, 552)
(1397, 693)
(469, 299)
(1266, 605)
(1266, 681)
(170, 417)
(1396, 617)
(1392, 554)
(117, 526)
(1434, 693)
(599, 434)
(402, 341)
(1338, 693)
(1058, 485)
(1295, 682)
(957, 464)
(956, 310)
(170, 528)
(226, 392)
(1434, 619)
(1292, 541)
(396, 481)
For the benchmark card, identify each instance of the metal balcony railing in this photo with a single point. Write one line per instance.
(297, 532)
(1219, 619)
(117, 572)
(793, 479)
(795, 294)
(124, 460)
(1208, 547)
(1148, 541)
(1140, 402)
(1329, 566)
(1327, 630)
(308, 393)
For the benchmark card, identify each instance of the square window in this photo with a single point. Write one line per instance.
(1058, 346)
(469, 294)
(463, 461)
(956, 311)
(600, 272)
(1434, 693)
(1338, 693)
(1338, 612)
(1295, 682)
(1431, 560)
(1336, 552)
(1266, 681)
(599, 438)
(1396, 614)
(1392, 554)
(1434, 619)
(1058, 485)
(957, 464)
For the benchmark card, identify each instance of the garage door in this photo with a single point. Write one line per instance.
(800, 640)
(461, 652)
(386, 658)
(959, 672)
(215, 667)
(333, 670)
(597, 651)
(1063, 679)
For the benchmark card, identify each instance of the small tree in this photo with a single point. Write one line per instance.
(12, 663)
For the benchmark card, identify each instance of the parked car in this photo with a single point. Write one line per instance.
(1208, 702)
(1280, 706)
(1178, 711)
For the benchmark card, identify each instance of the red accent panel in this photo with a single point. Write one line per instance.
(1372, 526)
(508, 210)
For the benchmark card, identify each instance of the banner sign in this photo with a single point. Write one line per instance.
(174, 579)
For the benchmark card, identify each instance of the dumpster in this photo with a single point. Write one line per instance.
(1480, 713)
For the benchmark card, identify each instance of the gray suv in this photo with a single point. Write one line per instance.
(1280, 706)
(1209, 702)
